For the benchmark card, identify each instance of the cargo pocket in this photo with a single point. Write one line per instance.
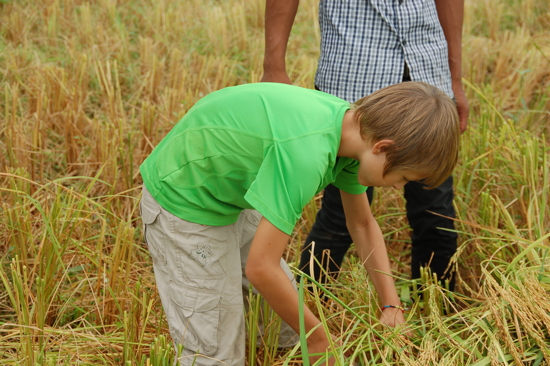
(154, 236)
(193, 317)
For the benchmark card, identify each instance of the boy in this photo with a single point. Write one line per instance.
(224, 189)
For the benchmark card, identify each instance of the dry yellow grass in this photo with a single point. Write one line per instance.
(88, 88)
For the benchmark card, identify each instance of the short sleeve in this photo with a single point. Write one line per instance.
(346, 179)
(285, 183)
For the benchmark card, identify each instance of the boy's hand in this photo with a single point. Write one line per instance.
(263, 270)
(319, 346)
(393, 317)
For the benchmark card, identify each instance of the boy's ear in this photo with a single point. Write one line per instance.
(381, 146)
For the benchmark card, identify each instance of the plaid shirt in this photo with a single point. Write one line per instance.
(365, 44)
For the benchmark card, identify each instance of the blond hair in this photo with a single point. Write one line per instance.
(423, 123)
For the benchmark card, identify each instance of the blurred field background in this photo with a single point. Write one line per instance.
(88, 88)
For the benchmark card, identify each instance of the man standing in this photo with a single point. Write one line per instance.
(367, 45)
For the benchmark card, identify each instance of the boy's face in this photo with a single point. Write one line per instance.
(371, 169)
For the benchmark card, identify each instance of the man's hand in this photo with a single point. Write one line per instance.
(451, 17)
(461, 106)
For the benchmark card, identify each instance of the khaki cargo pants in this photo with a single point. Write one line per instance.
(199, 272)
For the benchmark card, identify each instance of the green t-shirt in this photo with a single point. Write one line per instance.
(266, 146)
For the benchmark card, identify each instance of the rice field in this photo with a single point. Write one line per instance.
(88, 88)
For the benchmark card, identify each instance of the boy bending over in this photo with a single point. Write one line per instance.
(224, 189)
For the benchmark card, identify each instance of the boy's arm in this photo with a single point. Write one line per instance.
(451, 18)
(264, 271)
(369, 242)
(279, 17)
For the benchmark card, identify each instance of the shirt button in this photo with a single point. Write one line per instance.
(404, 42)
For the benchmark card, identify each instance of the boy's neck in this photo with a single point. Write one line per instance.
(351, 142)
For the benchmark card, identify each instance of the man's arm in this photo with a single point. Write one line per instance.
(451, 17)
(279, 17)
(264, 271)
(368, 239)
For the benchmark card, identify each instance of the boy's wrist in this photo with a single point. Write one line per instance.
(388, 294)
(392, 306)
(318, 336)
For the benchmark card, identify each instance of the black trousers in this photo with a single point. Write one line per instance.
(430, 245)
